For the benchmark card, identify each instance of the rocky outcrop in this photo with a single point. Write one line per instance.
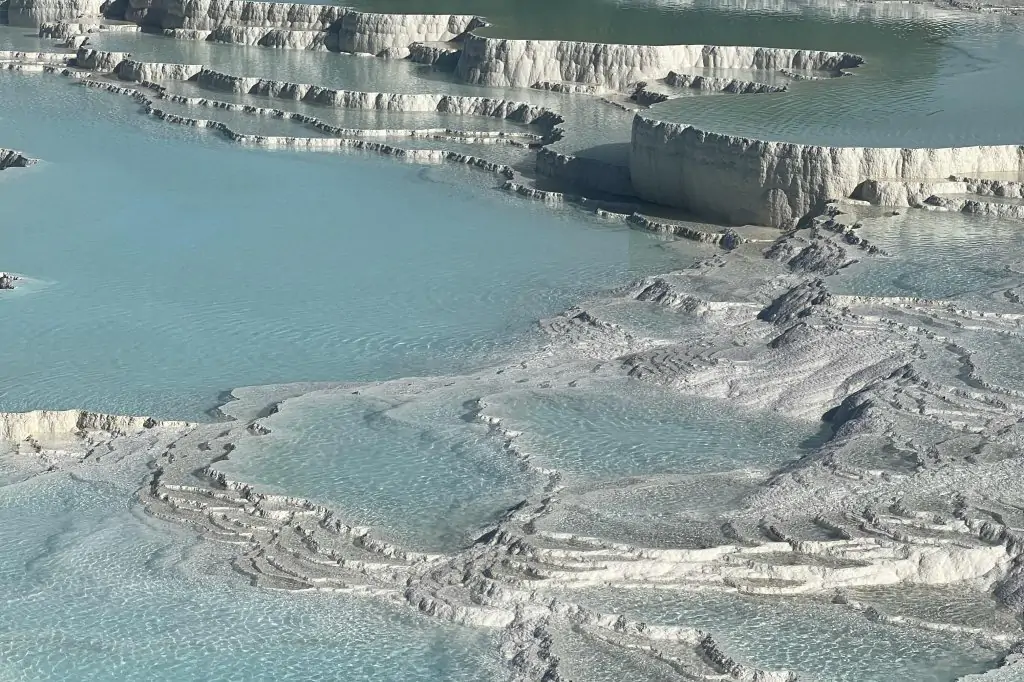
(567, 88)
(258, 36)
(521, 63)
(712, 84)
(740, 180)
(139, 72)
(124, 67)
(1006, 210)
(99, 60)
(13, 159)
(7, 280)
(443, 56)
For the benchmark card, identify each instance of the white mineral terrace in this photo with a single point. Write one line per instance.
(828, 528)
(735, 180)
(917, 485)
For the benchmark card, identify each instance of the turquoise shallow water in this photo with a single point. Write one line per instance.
(822, 642)
(627, 428)
(177, 266)
(90, 592)
(415, 472)
(936, 255)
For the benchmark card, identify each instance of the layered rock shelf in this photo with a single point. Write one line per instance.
(257, 23)
(348, 138)
(521, 63)
(730, 85)
(740, 180)
(129, 69)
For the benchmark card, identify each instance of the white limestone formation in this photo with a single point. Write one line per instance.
(35, 12)
(64, 30)
(142, 72)
(851, 514)
(48, 425)
(741, 180)
(347, 138)
(568, 88)
(35, 57)
(521, 63)
(462, 105)
(212, 14)
(297, 25)
(318, 41)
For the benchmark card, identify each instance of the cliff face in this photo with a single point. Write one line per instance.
(521, 63)
(585, 174)
(280, 24)
(271, 24)
(294, 39)
(374, 33)
(36, 12)
(739, 180)
(211, 14)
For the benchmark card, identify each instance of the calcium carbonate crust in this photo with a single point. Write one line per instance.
(768, 334)
(521, 63)
(266, 23)
(741, 180)
(845, 518)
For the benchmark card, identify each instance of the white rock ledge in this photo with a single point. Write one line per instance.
(275, 24)
(741, 180)
(60, 424)
(521, 63)
(129, 69)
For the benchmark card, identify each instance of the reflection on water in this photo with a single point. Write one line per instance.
(936, 255)
(179, 266)
(818, 640)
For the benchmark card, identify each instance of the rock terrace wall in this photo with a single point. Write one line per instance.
(740, 180)
(36, 12)
(521, 63)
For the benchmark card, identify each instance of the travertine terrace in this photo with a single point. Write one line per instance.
(913, 484)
